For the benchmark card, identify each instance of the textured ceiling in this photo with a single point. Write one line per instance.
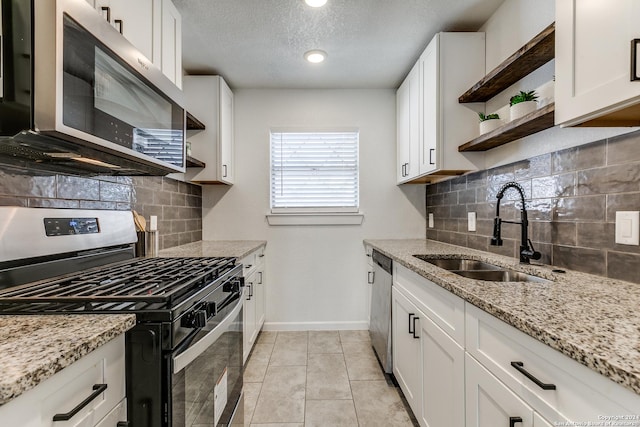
(370, 43)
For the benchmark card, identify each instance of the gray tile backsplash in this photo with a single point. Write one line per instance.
(177, 204)
(571, 197)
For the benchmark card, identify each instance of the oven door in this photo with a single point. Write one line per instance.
(94, 88)
(206, 377)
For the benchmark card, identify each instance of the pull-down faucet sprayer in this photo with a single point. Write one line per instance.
(527, 251)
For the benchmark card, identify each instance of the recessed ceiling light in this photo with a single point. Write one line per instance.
(316, 3)
(315, 56)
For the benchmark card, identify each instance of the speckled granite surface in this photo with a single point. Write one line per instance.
(33, 348)
(591, 319)
(211, 248)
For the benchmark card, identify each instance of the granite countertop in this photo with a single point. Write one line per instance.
(33, 348)
(592, 319)
(214, 248)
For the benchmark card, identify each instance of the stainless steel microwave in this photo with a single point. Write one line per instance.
(78, 98)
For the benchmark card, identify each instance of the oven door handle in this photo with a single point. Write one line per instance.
(183, 359)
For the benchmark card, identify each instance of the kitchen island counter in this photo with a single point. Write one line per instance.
(214, 248)
(33, 348)
(592, 319)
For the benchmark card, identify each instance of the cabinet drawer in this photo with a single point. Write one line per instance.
(580, 394)
(119, 413)
(444, 308)
(249, 264)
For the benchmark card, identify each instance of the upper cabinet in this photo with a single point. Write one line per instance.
(152, 26)
(211, 101)
(597, 63)
(428, 149)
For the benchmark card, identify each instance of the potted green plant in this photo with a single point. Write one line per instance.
(523, 104)
(489, 122)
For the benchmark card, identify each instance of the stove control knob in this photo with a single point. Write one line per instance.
(195, 319)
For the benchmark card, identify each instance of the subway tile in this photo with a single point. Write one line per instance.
(126, 180)
(459, 239)
(623, 266)
(93, 204)
(577, 158)
(458, 183)
(112, 192)
(143, 196)
(482, 195)
(194, 201)
(450, 225)
(121, 206)
(508, 248)
(25, 185)
(595, 235)
(533, 167)
(184, 238)
(443, 187)
(484, 227)
(458, 211)
(73, 187)
(161, 197)
(563, 233)
(477, 179)
(432, 233)
(14, 201)
(624, 148)
(450, 198)
(546, 252)
(178, 226)
(431, 189)
(54, 203)
(178, 199)
(440, 211)
(621, 202)
(540, 231)
(624, 178)
(586, 208)
(482, 210)
(153, 182)
(553, 186)
(169, 241)
(478, 242)
(444, 236)
(435, 200)
(539, 209)
(169, 184)
(591, 261)
(467, 196)
(107, 178)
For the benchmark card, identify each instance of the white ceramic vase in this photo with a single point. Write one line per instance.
(489, 125)
(522, 109)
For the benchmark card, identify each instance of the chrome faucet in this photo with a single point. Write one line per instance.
(527, 251)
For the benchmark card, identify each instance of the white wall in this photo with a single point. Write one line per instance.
(509, 28)
(316, 274)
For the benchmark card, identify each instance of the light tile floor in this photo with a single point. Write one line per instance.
(319, 378)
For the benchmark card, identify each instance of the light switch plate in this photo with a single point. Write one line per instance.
(628, 227)
(431, 224)
(471, 221)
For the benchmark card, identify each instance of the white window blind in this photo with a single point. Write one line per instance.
(314, 171)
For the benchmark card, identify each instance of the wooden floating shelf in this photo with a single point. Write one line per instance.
(539, 120)
(192, 162)
(193, 123)
(537, 52)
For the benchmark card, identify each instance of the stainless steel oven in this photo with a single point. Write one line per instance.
(184, 355)
(76, 95)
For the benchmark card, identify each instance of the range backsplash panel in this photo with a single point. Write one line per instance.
(572, 199)
(178, 205)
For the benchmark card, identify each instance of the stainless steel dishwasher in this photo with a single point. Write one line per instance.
(380, 323)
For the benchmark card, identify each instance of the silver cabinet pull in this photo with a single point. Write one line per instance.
(224, 171)
(260, 279)
(371, 275)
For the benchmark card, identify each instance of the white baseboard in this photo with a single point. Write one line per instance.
(316, 326)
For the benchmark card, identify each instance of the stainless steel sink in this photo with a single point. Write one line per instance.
(479, 270)
(500, 276)
(458, 263)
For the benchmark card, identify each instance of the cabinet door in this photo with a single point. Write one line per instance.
(260, 290)
(248, 316)
(489, 403)
(538, 421)
(171, 43)
(593, 58)
(408, 132)
(442, 378)
(430, 107)
(406, 348)
(138, 21)
(226, 134)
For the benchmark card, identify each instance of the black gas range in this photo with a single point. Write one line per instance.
(183, 357)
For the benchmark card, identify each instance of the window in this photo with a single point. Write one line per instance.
(314, 172)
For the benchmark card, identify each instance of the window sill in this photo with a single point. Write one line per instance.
(316, 219)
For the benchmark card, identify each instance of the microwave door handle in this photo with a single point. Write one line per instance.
(182, 360)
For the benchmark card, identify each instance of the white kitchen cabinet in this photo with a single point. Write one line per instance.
(427, 362)
(595, 75)
(408, 127)
(490, 403)
(210, 100)
(66, 389)
(154, 27)
(254, 309)
(450, 64)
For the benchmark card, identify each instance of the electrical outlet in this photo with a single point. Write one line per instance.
(627, 227)
(471, 221)
(431, 222)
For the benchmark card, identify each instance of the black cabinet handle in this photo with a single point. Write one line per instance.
(261, 256)
(634, 60)
(514, 420)
(118, 24)
(108, 10)
(431, 151)
(123, 424)
(98, 389)
(410, 316)
(414, 327)
(248, 266)
(250, 290)
(520, 367)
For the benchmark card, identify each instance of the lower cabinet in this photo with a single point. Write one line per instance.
(254, 308)
(428, 364)
(94, 385)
